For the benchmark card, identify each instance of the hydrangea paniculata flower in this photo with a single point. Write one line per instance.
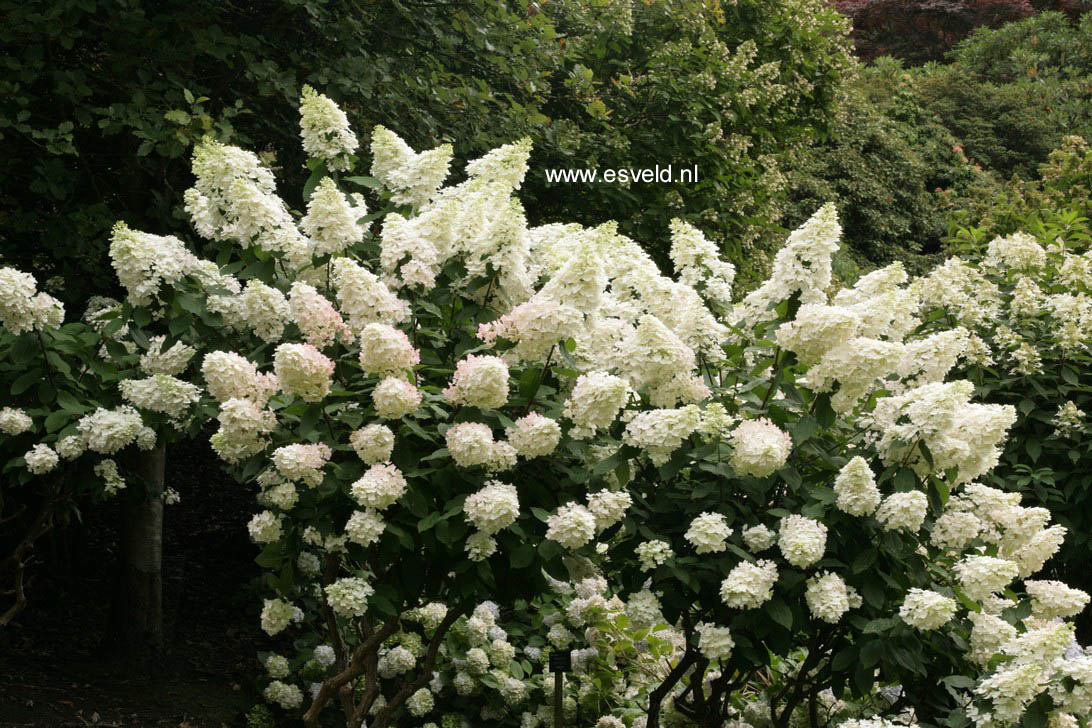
(325, 131)
(479, 381)
(708, 533)
(572, 526)
(759, 448)
(303, 370)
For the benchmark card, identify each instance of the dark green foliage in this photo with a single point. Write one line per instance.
(891, 169)
(1012, 93)
(1049, 43)
(100, 92)
(680, 84)
(1007, 128)
(1057, 204)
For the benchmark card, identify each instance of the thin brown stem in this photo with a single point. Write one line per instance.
(408, 688)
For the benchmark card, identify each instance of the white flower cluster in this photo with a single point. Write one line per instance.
(802, 540)
(41, 459)
(749, 585)
(231, 376)
(331, 220)
(266, 527)
(660, 432)
(14, 421)
(829, 597)
(277, 614)
(108, 431)
(958, 433)
(715, 642)
(22, 307)
(172, 361)
(413, 177)
(244, 427)
(856, 488)
(143, 262)
(759, 538)
(319, 322)
(1068, 420)
(380, 486)
(572, 526)
(608, 507)
(234, 199)
(759, 448)
(283, 694)
(302, 462)
(926, 609)
(653, 553)
(395, 398)
(699, 265)
(903, 511)
(802, 266)
(1053, 599)
(277, 666)
(471, 444)
(708, 533)
(1022, 535)
(303, 370)
(1018, 251)
(385, 350)
(107, 469)
(161, 393)
(982, 576)
(325, 130)
(349, 596)
(420, 703)
(365, 527)
(364, 299)
(595, 402)
(479, 381)
(533, 435)
(493, 508)
(373, 443)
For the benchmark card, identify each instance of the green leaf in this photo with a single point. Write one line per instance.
(313, 181)
(370, 182)
(271, 556)
(24, 381)
(804, 428)
(67, 402)
(779, 612)
(871, 653)
(824, 413)
(56, 420)
(428, 521)
(522, 556)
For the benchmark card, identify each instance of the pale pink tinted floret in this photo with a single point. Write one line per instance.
(318, 320)
(231, 376)
(303, 370)
(300, 462)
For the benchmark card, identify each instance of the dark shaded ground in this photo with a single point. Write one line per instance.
(55, 669)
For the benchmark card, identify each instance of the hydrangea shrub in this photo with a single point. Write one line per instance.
(446, 413)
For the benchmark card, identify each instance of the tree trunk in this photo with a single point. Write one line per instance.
(137, 621)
